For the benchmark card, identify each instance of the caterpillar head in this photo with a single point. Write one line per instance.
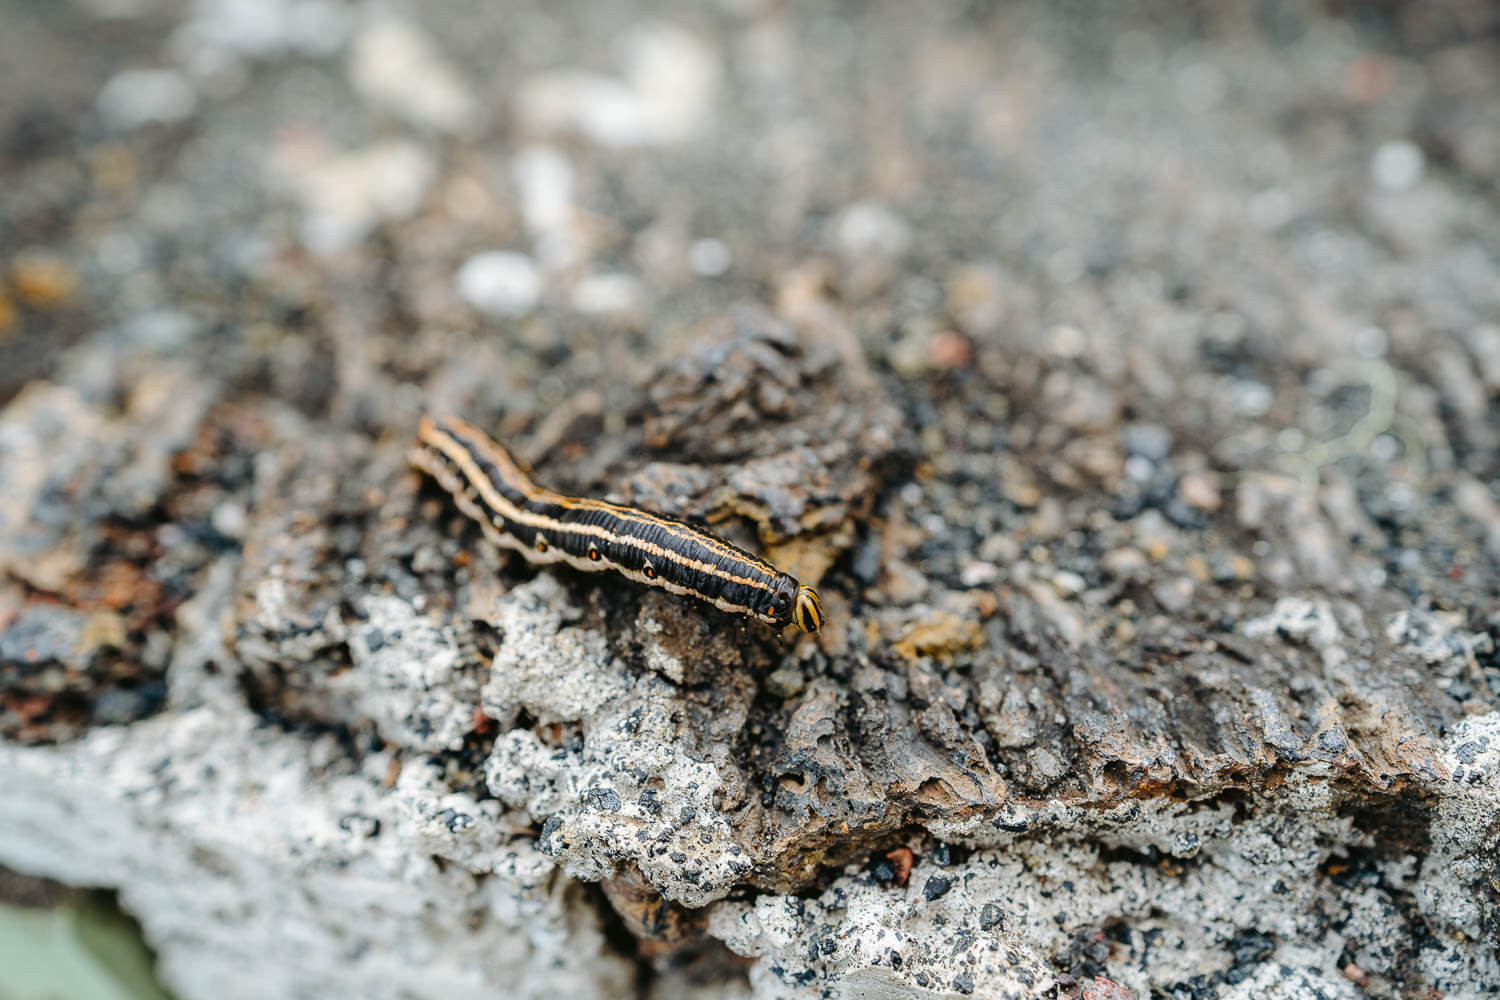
(790, 603)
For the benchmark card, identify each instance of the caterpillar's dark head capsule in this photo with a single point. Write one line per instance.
(790, 603)
(777, 607)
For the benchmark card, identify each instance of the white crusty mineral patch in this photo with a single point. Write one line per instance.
(407, 677)
(557, 672)
(231, 842)
(859, 939)
(626, 792)
(1462, 864)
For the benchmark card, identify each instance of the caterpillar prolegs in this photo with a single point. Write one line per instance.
(595, 536)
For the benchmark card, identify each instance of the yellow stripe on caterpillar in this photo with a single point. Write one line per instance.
(488, 485)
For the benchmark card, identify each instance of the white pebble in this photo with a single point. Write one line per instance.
(346, 197)
(866, 228)
(976, 574)
(544, 181)
(709, 258)
(1385, 448)
(135, 97)
(1371, 343)
(1175, 596)
(1139, 468)
(395, 66)
(249, 27)
(1067, 583)
(601, 108)
(676, 77)
(1067, 341)
(500, 283)
(1000, 549)
(1252, 399)
(1397, 166)
(670, 84)
(318, 27)
(264, 28)
(229, 519)
(602, 294)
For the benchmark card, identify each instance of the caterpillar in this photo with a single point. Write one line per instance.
(594, 535)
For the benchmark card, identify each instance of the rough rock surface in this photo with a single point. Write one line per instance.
(1126, 383)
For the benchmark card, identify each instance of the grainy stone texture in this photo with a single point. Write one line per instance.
(1125, 380)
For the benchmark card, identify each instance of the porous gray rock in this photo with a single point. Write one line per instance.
(231, 842)
(1141, 450)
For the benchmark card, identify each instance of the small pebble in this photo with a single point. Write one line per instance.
(1176, 595)
(1139, 469)
(1150, 441)
(949, 351)
(1397, 166)
(936, 887)
(976, 300)
(345, 197)
(1385, 448)
(43, 281)
(544, 185)
(160, 330)
(866, 565)
(428, 559)
(674, 74)
(668, 93)
(1067, 341)
(1068, 583)
(600, 108)
(603, 294)
(904, 583)
(786, 682)
(394, 66)
(1252, 399)
(1200, 490)
(976, 574)
(500, 283)
(1483, 342)
(136, 97)
(867, 229)
(229, 519)
(1123, 562)
(709, 258)
(999, 548)
(908, 353)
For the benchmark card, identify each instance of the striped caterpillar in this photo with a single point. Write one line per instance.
(593, 535)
